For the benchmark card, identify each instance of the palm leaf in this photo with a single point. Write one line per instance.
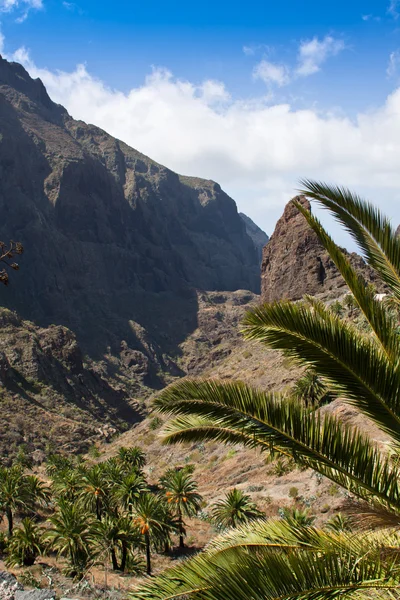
(326, 566)
(379, 318)
(235, 412)
(366, 224)
(352, 363)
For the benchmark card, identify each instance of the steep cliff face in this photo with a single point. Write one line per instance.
(295, 263)
(258, 236)
(115, 243)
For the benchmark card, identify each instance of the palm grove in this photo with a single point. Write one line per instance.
(358, 361)
(105, 513)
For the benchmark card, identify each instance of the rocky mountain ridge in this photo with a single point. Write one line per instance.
(115, 243)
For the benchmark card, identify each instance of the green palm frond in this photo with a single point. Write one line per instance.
(317, 565)
(366, 224)
(235, 412)
(352, 363)
(379, 318)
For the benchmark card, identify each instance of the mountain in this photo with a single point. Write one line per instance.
(115, 244)
(258, 236)
(295, 263)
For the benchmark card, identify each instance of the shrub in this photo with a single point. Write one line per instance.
(155, 423)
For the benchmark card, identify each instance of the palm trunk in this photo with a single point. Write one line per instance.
(180, 521)
(124, 556)
(148, 555)
(98, 511)
(114, 560)
(10, 520)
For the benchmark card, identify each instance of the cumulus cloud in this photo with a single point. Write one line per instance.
(313, 53)
(271, 73)
(256, 150)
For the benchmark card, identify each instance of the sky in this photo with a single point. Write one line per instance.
(254, 95)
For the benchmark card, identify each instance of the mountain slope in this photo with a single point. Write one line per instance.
(259, 237)
(115, 243)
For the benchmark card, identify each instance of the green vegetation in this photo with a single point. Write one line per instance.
(311, 390)
(290, 558)
(104, 513)
(19, 492)
(26, 544)
(180, 490)
(235, 509)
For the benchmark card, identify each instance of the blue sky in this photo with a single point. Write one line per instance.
(251, 94)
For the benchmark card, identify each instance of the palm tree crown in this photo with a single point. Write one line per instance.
(181, 494)
(235, 509)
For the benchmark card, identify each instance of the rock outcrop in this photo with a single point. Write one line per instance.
(258, 236)
(115, 243)
(50, 397)
(11, 589)
(295, 263)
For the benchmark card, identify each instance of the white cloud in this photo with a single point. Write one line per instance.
(255, 150)
(393, 64)
(212, 92)
(22, 7)
(393, 8)
(271, 73)
(313, 53)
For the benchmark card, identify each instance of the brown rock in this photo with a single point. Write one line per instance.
(295, 263)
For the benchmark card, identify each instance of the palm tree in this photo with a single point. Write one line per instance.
(114, 537)
(311, 390)
(151, 518)
(19, 492)
(235, 509)
(95, 489)
(362, 367)
(25, 545)
(180, 491)
(67, 484)
(339, 523)
(71, 536)
(127, 492)
(350, 303)
(133, 457)
(297, 516)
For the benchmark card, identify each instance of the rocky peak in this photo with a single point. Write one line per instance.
(295, 263)
(33, 97)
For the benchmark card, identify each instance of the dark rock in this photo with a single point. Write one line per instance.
(258, 236)
(111, 238)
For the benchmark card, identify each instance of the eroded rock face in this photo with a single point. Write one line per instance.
(295, 263)
(258, 236)
(111, 237)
